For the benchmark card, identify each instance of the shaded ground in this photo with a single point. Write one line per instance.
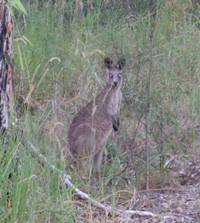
(171, 206)
(179, 203)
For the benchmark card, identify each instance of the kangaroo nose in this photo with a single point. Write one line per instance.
(115, 83)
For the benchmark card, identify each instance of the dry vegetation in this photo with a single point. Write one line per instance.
(152, 163)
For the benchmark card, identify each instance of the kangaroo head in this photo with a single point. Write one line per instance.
(114, 72)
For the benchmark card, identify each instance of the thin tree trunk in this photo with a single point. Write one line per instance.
(90, 5)
(195, 3)
(79, 9)
(6, 68)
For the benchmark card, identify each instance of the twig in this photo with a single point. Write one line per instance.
(68, 182)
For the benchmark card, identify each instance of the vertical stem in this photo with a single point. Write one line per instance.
(147, 120)
(162, 158)
(148, 93)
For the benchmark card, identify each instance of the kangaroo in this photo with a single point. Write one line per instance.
(91, 127)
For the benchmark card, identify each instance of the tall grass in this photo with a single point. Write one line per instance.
(58, 68)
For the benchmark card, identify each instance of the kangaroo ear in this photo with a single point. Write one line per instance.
(121, 63)
(108, 62)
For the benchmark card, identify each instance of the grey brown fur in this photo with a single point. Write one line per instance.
(91, 127)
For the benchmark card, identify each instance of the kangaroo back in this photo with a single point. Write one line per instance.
(91, 127)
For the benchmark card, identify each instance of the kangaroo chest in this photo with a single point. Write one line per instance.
(114, 103)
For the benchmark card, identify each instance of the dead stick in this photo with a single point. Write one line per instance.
(68, 182)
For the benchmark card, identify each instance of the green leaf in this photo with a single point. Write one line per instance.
(17, 5)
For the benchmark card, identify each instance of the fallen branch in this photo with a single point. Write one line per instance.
(68, 182)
